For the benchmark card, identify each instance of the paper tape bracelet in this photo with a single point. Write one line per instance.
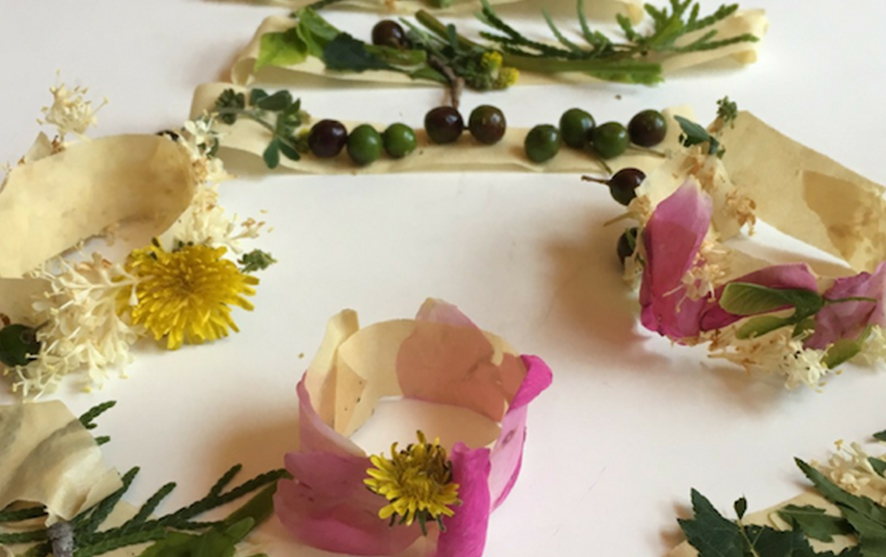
(340, 499)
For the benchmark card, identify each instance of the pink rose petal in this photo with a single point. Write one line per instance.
(452, 365)
(507, 454)
(328, 506)
(672, 238)
(849, 319)
(315, 434)
(465, 534)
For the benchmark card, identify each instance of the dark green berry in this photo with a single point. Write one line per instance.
(610, 140)
(389, 33)
(327, 138)
(18, 345)
(627, 244)
(364, 145)
(487, 124)
(648, 128)
(624, 183)
(576, 126)
(399, 140)
(444, 124)
(542, 143)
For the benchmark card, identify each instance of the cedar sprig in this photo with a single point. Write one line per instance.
(88, 419)
(19, 515)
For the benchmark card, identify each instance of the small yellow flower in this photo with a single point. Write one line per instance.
(491, 61)
(506, 78)
(417, 481)
(186, 295)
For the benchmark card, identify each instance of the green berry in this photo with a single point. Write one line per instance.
(648, 128)
(627, 243)
(18, 345)
(399, 140)
(364, 145)
(444, 124)
(542, 143)
(624, 183)
(610, 140)
(487, 124)
(576, 126)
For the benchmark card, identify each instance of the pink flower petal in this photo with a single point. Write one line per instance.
(449, 364)
(465, 534)
(326, 505)
(849, 319)
(315, 434)
(439, 311)
(672, 238)
(792, 275)
(507, 454)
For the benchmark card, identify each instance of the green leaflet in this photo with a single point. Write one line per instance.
(281, 49)
(695, 134)
(878, 465)
(742, 298)
(710, 533)
(214, 543)
(345, 53)
(814, 522)
(759, 326)
(845, 349)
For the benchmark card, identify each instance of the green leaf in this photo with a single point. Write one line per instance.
(289, 152)
(396, 56)
(764, 324)
(281, 100)
(742, 298)
(741, 507)
(345, 53)
(428, 73)
(878, 465)
(271, 155)
(694, 134)
(281, 49)
(315, 31)
(767, 542)
(710, 533)
(257, 95)
(880, 436)
(842, 351)
(815, 523)
(843, 499)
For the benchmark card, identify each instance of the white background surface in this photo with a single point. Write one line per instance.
(630, 423)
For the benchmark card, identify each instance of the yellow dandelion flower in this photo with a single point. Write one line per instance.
(416, 481)
(506, 78)
(186, 295)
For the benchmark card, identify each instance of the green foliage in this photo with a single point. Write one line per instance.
(345, 53)
(695, 134)
(727, 111)
(255, 260)
(815, 523)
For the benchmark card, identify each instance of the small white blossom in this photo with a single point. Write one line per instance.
(708, 269)
(777, 352)
(70, 111)
(851, 469)
(83, 328)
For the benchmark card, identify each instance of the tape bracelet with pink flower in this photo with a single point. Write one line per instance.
(435, 495)
(702, 281)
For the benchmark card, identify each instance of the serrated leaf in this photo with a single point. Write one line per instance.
(281, 49)
(744, 298)
(759, 326)
(767, 542)
(843, 499)
(710, 533)
(814, 522)
(345, 53)
(271, 155)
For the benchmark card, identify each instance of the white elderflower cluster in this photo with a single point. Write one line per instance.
(779, 353)
(201, 141)
(205, 222)
(70, 111)
(708, 269)
(850, 468)
(82, 326)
